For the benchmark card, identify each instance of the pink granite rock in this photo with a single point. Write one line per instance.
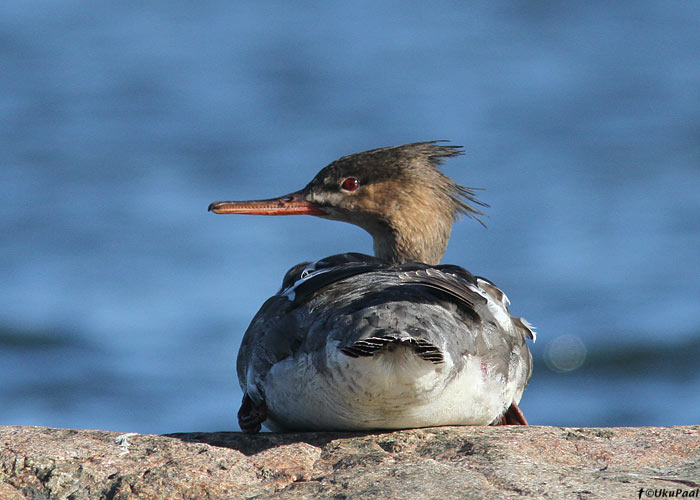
(436, 463)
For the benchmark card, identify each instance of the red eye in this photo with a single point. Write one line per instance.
(350, 184)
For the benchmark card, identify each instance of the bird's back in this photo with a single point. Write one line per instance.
(351, 342)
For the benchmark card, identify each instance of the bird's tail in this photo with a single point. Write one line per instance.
(371, 346)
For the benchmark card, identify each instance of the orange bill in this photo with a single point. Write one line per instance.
(291, 204)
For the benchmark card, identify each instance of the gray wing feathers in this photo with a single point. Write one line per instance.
(436, 313)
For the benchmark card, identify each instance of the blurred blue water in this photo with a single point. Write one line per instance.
(122, 301)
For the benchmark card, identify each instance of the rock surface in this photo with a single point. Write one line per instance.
(436, 463)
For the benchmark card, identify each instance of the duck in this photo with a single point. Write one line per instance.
(394, 340)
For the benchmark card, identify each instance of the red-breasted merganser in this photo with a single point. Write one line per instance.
(355, 342)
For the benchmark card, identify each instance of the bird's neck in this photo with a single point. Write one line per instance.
(412, 240)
